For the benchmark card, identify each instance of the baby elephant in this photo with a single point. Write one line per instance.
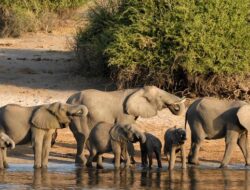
(152, 145)
(105, 137)
(5, 142)
(174, 142)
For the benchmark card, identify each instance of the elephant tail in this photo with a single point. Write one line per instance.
(186, 121)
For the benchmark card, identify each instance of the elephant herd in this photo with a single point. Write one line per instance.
(104, 122)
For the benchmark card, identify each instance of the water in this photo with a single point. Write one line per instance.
(67, 176)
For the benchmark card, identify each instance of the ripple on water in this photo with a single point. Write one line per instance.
(68, 176)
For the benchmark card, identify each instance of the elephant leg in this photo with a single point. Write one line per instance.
(99, 161)
(231, 141)
(1, 159)
(5, 163)
(37, 144)
(117, 152)
(158, 157)
(243, 144)
(46, 147)
(127, 160)
(92, 154)
(144, 160)
(172, 158)
(150, 159)
(197, 137)
(194, 158)
(132, 160)
(80, 130)
(183, 157)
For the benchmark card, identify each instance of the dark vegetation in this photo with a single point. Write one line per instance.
(191, 47)
(20, 16)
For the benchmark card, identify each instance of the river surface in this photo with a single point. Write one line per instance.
(67, 176)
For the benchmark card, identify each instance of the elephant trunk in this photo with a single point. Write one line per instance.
(78, 110)
(175, 104)
(142, 137)
(177, 109)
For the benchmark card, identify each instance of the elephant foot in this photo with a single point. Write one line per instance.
(144, 165)
(5, 164)
(89, 165)
(193, 161)
(184, 167)
(223, 165)
(98, 166)
(1, 166)
(37, 166)
(132, 160)
(170, 169)
(44, 166)
(81, 161)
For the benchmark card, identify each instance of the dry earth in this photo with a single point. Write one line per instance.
(40, 68)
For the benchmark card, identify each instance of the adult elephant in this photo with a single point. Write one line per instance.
(121, 106)
(37, 124)
(210, 118)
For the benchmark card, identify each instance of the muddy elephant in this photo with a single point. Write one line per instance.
(5, 142)
(36, 125)
(210, 118)
(121, 106)
(151, 146)
(105, 137)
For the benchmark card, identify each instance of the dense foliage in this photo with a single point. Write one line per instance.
(18, 16)
(170, 43)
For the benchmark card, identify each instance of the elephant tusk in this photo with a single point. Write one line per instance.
(182, 100)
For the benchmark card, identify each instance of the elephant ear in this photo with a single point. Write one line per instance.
(243, 116)
(43, 118)
(140, 104)
(117, 133)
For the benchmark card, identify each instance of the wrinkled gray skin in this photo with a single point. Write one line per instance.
(122, 107)
(36, 125)
(210, 118)
(5, 142)
(105, 137)
(174, 142)
(152, 145)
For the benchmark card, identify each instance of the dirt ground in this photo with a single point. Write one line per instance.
(41, 68)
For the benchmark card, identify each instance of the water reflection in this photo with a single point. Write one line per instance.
(62, 176)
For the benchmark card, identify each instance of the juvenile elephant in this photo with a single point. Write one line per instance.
(174, 142)
(5, 142)
(210, 118)
(37, 124)
(122, 107)
(152, 145)
(105, 137)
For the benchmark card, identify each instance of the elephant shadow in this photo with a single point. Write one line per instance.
(26, 152)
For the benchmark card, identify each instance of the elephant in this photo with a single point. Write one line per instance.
(106, 137)
(5, 142)
(211, 118)
(152, 145)
(36, 125)
(174, 139)
(120, 106)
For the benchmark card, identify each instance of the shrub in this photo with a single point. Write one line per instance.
(176, 44)
(19, 16)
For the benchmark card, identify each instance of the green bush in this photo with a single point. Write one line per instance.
(19, 16)
(169, 43)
